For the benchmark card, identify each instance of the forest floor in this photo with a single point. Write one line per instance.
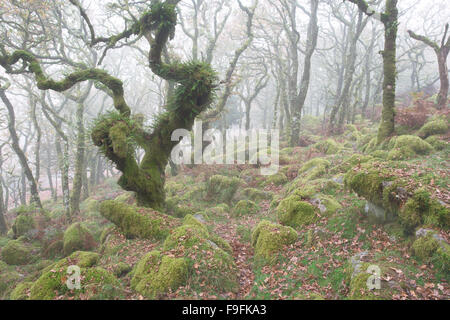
(321, 263)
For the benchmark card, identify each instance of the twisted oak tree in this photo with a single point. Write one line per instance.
(118, 133)
(442, 52)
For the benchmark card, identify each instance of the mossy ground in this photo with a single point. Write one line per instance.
(205, 243)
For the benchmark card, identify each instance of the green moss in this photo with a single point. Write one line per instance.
(221, 188)
(277, 179)
(313, 169)
(191, 220)
(327, 204)
(257, 195)
(127, 197)
(21, 291)
(132, 223)
(422, 208)
(96, 284)
(76, 238)
(438, 126)
(245, 207)
(105, 233)
(269, 239)
(441, 259)
(381, 154)
(23, 224)
(121, 269)
(351, 162)
(90, 205)
(208, 261)
(425, 247)
(410, 145)
(16, 253)
(156, 274)
(437, 143)
(328, 146)
(8, 278)
(294, 212)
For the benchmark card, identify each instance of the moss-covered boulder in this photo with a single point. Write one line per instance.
(245, 207)
(277, 179)
(269, 239)
(208, 257)
(437, 143)
(294, 212)
(22, 291)
(96, 284)
(23, 224)
(16, 253)
(77, 238)
(425, 247)
(328, 146)
(156, 274)
(422, 209)
(407, 146)
(221, 188)
(135, 222)
(361, 274)
(438, 126)
(352, 161)
(326, 204)
(313, 169)
(126, 197)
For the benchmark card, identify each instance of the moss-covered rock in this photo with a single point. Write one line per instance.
(22, 225)
(425, 247)
(269, 239)
(438, 126)
(8, 279)
(208, 259)
(221, 189)
(156, 274)
(121, 269)
(326, 204)
(245, 207)
(96, 284)
(16, 253)
(420, 209)
(328, 146)
(22, 291)
(136, 222)
(77, 238)
(437, 143)
(349, 163)
(408, 145)
(313, 169)
(126, 197)
(277, 179)
(294, 212)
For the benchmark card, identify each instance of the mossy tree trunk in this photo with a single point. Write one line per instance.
(79, 163)
(442, 52)
(390, 21)
(118, 133)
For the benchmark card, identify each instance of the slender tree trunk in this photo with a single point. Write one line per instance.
(20, 154)
(79, 160)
